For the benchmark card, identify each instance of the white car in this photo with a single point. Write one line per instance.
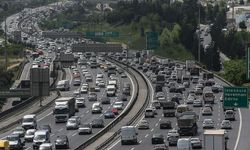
(29, 135)
(99, 75)
(84, 89)
(172, 132)
(80, 102)
(208, 123)
(190, 100)
(72, 123)
(206, 111)
(118, 105)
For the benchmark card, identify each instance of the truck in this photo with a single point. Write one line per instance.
(111, 70)
(168, 108)
(63, 85)
(111, 90)
(195, 71)
(190, 64)
(129, 135)
(160, 80)
(208, 95)
(187, 123)
(64, 109)
(215, 140)
(207, 76)
(179, 75)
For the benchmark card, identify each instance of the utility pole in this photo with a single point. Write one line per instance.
(5, 43)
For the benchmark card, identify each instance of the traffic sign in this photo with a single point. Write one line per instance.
(235, 97)
(248, 61)
(151, 40)
(101, 34)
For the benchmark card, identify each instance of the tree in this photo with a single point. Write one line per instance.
(235, 71)
(166, 38)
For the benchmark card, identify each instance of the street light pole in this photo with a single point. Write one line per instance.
(199, 34)
(5, 43)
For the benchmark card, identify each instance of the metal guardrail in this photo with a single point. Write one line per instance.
(115, 121)
(22, 94)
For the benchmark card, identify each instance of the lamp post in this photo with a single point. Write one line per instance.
(199, 33)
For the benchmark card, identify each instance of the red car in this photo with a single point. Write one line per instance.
(115, 111)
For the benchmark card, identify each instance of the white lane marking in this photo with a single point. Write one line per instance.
(239, 131)
(114, 144)
(152, 130)
(146, 135)
(87, 112)
(60, 129)
(140, 141)
(82, 115)
(52, 134)
(132, 148)
(74, 134)
(44, 116)
(156, 124)
(27, 148)
(159, 119)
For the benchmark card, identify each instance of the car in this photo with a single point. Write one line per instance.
(157, 138)
(225, 124)
(77, 82)
(160, 147)
(124, 97)
(85, 128)
(46, 146)
(208, 124)
(84, 89)
(72, 123)
(29, 135)
(98, 123)
(197, 103)
(80, 101)
(101, 84)
(190, 100)
(156, 104)
(229, 115)
(41, 136)
(123, 75)
(118, 105)
(206, 111)
(149, 112)
(45, 127)
(115, 111)
(20, 131)
(109, 114)
(76, 93)
(196, 143)
(143, 124)
(172, 132)
(105, 100)
(15, 141)
(209, 105)
(62, 142)
(92, 97)
(165, 124)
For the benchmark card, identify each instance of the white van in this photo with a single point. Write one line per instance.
(40, 137)
(29, 122)
(184, 144)
(63, 85)
(111, 90)
(97, 107)
(129, 135)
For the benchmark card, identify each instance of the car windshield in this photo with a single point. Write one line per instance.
(61, 111)
(40, 137)
(28, 119)
(12, 138)
(44, 147)
(30, 132)
(72, 121)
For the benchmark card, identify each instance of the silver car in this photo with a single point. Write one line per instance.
(85, 129)
(225, 124)
(72, 123)
(196, 143)
(208, 123)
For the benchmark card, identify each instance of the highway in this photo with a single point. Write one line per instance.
(85, 113)
(144, 136)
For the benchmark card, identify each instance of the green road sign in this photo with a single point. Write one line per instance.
(235, 97)
(248, 61)
(151, 40)
(101, 34)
